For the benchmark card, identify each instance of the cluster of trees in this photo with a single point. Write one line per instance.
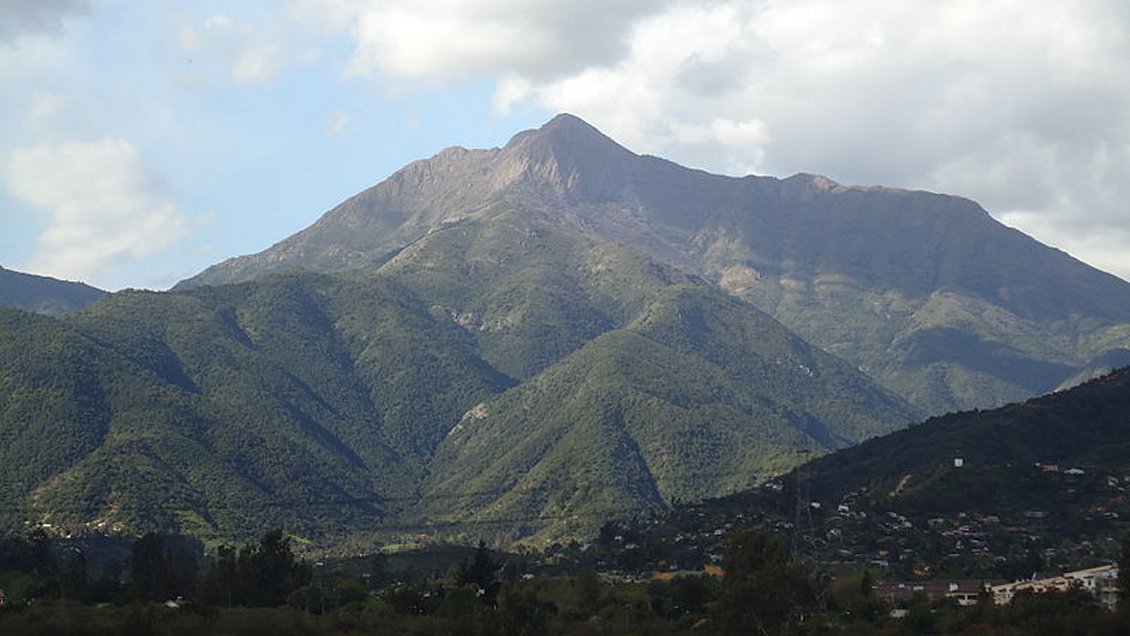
(262, 575)
(481, 596)
(263, 588)
(32, 567)
(156, 568)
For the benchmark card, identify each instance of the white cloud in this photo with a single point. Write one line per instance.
(104, 206)
(456, 39)
(510, 90)
(1024, 107)
(24, 17)
(1104, 243)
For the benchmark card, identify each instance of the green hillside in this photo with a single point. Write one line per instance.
(670, 389)
(1085, 428)
(44, 295)
(339, 404)
(299, 400)
(638, 419)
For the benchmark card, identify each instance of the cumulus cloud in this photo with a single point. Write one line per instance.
(445, 39)
(1024, 107)
(103, 205)
(24, 17)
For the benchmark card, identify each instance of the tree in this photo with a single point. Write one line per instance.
(482, 573)
(762, 592)
(158, 571)
(271, 570)
(588, 592)
(520, 612)
(39, 553)
(149, 568)
(866, 584)
(222, 584)
(258, 575)
(73, 580)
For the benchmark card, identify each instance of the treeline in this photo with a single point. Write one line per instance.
(483, 595)
(157, 568)
(262, 588)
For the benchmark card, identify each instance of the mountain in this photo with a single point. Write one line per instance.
(639, 385)
(519, 343)
(44, 295)
(498, 369)
(301, 400)
(1003, 452)
(924, 292)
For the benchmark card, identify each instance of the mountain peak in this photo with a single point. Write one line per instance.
(565, 128)
(571, 124)
(569, 154)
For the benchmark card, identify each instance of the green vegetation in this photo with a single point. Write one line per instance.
(683, 391)
(44, 295)
(226, 410)
(499, 378)
(265, 590)
(1082, 429)
(762, 592)
(1040, 486)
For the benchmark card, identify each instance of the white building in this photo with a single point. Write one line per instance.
(1101, 581)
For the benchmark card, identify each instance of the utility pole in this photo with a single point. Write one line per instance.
(803, 539)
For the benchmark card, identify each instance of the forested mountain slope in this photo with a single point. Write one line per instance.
(493, 358)
(44, 295)
(1086, 428)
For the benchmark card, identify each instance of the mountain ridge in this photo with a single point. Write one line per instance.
(876, 275)
(43, 294)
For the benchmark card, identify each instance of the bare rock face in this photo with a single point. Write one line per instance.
(555, 168)
(925, 292)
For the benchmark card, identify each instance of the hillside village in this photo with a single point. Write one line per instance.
(906, 549)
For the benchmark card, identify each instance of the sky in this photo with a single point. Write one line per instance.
(143, 140)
